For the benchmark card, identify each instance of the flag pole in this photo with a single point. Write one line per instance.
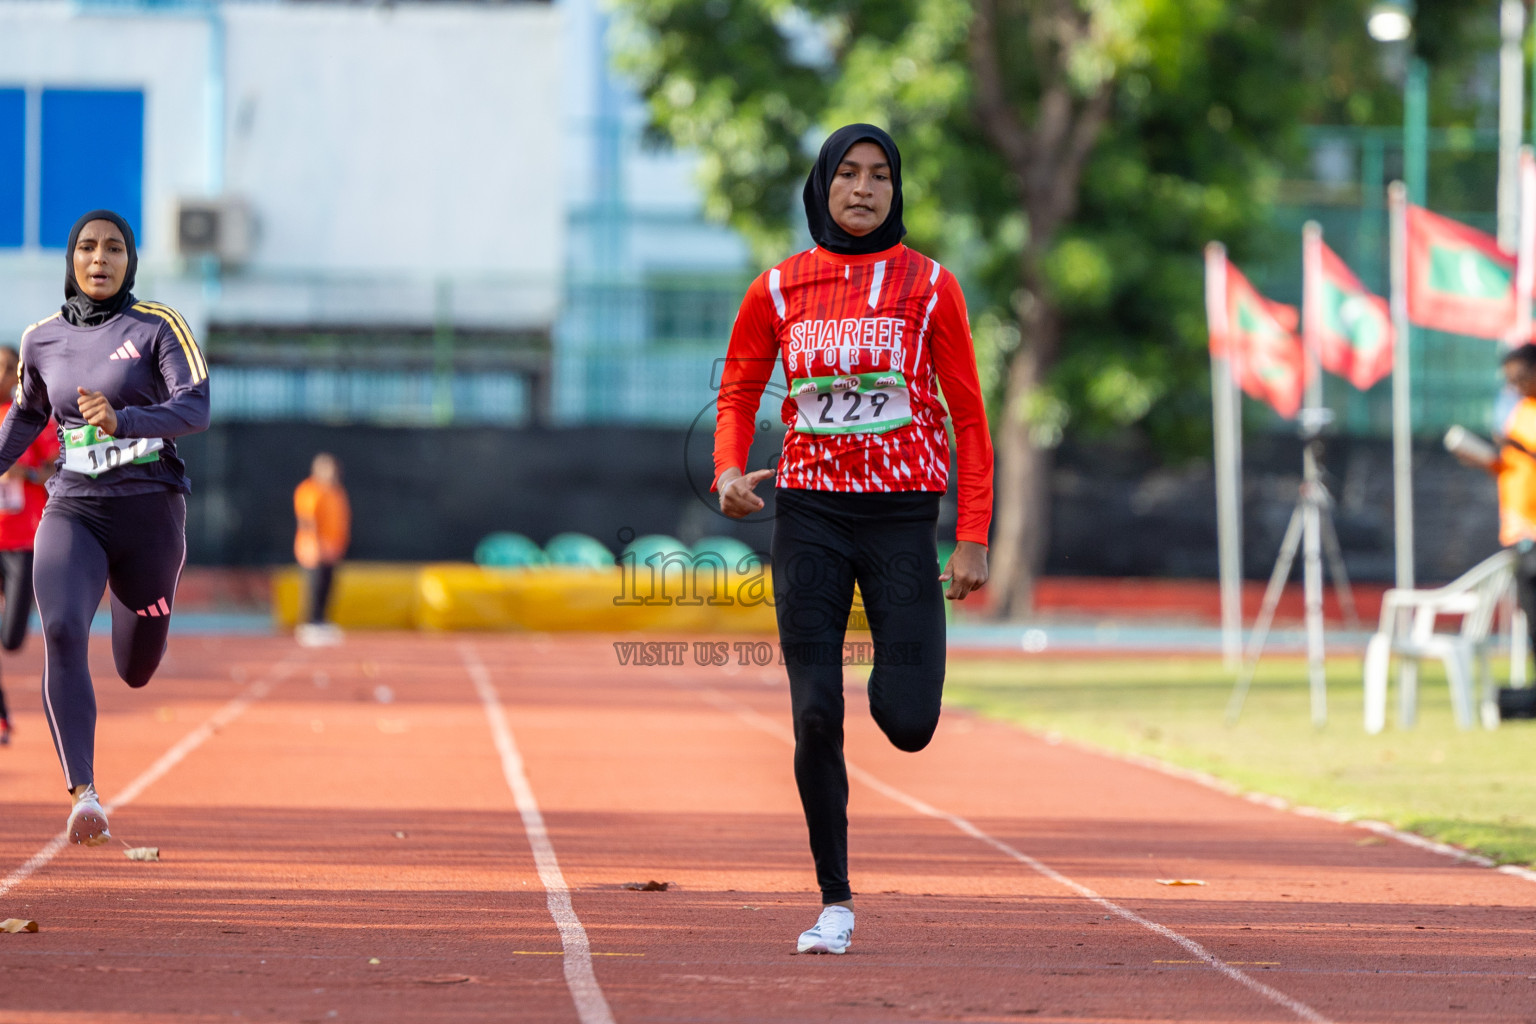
(1525, 249)
(1228, 459)
(1311, 310)
(1313, 418)
(1402, 421)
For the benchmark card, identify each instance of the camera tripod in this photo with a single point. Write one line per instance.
(1311, 529)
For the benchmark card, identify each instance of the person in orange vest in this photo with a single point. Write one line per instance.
(325, 529)
(1514, 467)
(22, 498)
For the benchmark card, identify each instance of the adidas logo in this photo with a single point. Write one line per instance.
(159, 608)
(126, 351)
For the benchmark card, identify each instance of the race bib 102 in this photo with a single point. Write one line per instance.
(90, 452)
(855, 403)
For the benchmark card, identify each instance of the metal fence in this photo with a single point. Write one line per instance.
(382, 397)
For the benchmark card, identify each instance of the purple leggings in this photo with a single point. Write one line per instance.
(136, 545)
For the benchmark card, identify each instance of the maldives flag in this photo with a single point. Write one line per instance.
(1257, 337)
(1459, 280)
(1349, 328)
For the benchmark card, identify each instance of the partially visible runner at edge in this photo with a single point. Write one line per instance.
(123, 378)
(21, 507)
(868, 332)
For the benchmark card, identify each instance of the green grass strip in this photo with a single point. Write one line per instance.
(1471, 788)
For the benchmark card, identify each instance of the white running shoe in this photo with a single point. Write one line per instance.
(318, 634)
(88, 822)
(833, 932)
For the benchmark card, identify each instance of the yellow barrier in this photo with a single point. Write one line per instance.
(365, 595)
(455, 596)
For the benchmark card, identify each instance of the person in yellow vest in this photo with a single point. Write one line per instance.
(1514, 466)
(325, 529)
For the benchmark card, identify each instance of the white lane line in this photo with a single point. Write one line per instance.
(149, 776)
(1274, 995)
(1279, 803)
(591, 1005)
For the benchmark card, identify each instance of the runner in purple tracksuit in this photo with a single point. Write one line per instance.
(123, 378)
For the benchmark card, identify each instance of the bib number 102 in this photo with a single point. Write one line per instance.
(89, 452)
(111, 458)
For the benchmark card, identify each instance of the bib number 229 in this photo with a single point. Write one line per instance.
(862, 403)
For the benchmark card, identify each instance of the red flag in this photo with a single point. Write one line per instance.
(1351, 329)
(1257, 336)
(1459, 280)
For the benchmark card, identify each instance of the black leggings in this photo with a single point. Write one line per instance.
(317, 587)
(824, 542)
(134, 544)
(1525, 587)
(16, 579)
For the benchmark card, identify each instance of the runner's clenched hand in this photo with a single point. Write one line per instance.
(966, 571)
(97, 411)
(736, 497)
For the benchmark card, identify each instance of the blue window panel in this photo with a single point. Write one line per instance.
(13, 167)
(93, 158)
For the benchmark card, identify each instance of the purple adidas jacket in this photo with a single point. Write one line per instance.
(148, 365)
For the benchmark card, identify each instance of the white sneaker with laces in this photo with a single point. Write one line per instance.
(833, 932)
(87, 821)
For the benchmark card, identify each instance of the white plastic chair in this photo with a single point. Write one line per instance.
(1408, 619)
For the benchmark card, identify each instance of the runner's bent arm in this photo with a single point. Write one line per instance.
(954, 359)
(749, 363)
(186, 378)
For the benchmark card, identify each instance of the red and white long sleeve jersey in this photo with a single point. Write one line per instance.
(867, 344)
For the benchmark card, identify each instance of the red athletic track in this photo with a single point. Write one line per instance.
(283, 874)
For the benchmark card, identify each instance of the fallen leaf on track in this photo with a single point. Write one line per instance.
(652, 886)
(1179, 881)
(16, 924)
(374, 960)
(445, 979)
(142, 853)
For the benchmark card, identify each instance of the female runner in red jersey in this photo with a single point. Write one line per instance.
(868, 332)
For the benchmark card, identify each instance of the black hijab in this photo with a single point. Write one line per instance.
(79, 308)
(826, 231)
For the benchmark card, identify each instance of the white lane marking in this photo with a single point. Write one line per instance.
(591, 1005)
(1278, 803)
(149, 776)
(1274, 995)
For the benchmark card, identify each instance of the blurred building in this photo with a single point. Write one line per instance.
(380, 219)
(405, 213)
